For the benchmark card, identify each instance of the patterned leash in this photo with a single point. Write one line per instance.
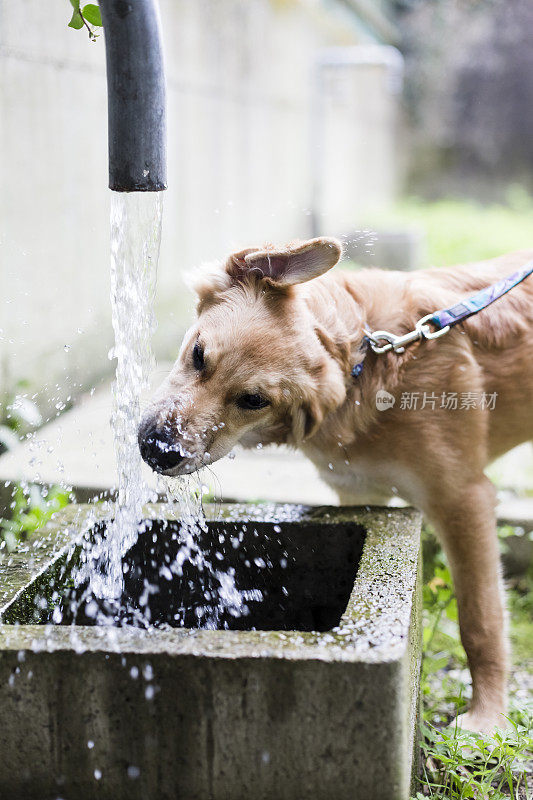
(445, 319)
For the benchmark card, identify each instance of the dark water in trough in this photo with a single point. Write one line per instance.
(236, 577)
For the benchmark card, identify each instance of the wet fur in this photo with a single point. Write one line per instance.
(272, 323)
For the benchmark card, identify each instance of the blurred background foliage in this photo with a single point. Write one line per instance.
(459, 230)
(468, 97)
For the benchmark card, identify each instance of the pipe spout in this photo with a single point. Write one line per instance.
(135, 95)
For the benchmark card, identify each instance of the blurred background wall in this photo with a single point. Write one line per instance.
(282, 124)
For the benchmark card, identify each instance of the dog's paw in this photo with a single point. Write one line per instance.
(483, 723)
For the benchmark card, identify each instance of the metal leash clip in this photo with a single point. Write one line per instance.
(398, 343)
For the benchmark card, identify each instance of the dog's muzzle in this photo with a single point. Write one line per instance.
(157, 448)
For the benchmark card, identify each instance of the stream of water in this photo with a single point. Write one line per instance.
(135, 239)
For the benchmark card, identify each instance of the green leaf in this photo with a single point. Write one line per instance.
(434, 664)
(451, 611)
(427, 594)
(76, 20)
(91, 12)
(426, 636)
(75, 4)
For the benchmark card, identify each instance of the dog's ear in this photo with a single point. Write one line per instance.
(294, 264)
(236, 265)
(306, 420)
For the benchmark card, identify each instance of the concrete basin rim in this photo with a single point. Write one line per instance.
(374, 627)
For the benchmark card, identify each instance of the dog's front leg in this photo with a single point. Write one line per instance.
(466, 524)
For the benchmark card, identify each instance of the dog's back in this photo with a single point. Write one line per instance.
(498, 337)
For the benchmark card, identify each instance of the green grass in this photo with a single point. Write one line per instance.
(30, 509)
(457, 764)
(461, 765)
(458, 231)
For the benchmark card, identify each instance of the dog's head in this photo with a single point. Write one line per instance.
(254, 368)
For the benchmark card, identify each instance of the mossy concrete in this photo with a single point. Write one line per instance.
(101, 712)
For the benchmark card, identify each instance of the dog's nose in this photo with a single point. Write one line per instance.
(158, 449)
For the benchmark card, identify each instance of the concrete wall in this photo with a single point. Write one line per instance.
(243, 160)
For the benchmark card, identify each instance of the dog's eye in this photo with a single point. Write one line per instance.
(198, 357)
(252, 401)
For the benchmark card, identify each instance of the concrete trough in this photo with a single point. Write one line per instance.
(313, 693)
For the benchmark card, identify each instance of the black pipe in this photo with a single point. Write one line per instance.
(136, 103)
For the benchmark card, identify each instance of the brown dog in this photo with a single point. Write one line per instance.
(269, 360)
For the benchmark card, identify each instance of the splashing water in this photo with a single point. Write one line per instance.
(220, 585)
(135, 238)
